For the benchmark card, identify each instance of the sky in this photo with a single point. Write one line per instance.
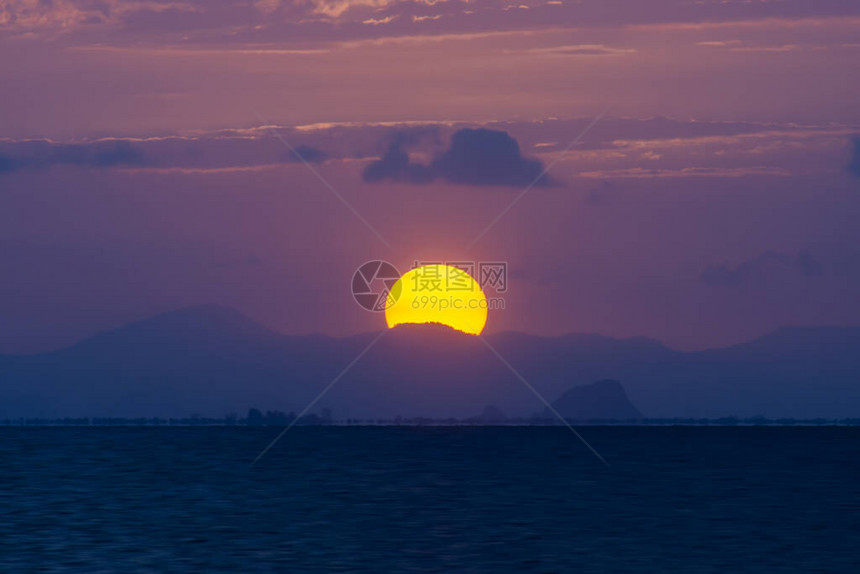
(702, 161)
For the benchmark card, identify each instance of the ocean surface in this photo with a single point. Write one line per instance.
(431, 499)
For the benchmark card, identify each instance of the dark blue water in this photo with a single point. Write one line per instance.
(388, 499)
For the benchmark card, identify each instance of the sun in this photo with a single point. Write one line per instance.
(438, 294)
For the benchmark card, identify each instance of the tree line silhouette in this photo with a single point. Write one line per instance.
(256, 417)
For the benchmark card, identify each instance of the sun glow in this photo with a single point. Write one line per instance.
(438, 294)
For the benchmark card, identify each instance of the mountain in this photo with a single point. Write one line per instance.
(211, 360)
(490, 415)
(604, 400)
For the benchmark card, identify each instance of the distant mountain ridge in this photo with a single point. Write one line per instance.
(212, 360)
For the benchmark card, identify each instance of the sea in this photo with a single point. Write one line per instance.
(430, 499)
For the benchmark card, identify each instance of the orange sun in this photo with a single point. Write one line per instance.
(438, 294)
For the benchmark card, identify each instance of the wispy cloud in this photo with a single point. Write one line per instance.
(379, 21)
(644, 173)
(782, 48)
(580, 50)
(730, 275)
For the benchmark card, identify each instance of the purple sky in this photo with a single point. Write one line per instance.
(717, 200)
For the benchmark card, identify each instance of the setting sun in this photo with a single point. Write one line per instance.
(438, 294)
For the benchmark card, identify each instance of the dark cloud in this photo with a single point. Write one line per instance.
(101, 154)
(803, 263)
(487, 157)
(173, 152)
(308, 154)
(43, 155)
(8, 164)
(395, 165)
(854, 166)
(475, 157)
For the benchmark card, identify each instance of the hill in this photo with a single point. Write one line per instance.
(212, 360)
(603, 400)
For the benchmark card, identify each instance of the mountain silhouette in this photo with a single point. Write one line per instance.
(490, 415)
(603, 400)
(212, 360)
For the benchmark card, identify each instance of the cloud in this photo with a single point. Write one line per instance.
(724, 275)
(643, 173)
(395, 165)
(308, 22)
(198, 153)
(420, 152)
(854, 166)
(102, 154)
(309, 154)
(336, 8)
(581, 50)
(378, 21)
(8, 164)
(487, 157)
(475, 156)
